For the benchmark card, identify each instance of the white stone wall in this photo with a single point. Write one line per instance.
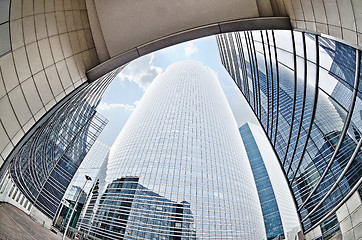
(11, 194)
(52, 47)
(349, 216)
(339, 18)
(314, 234)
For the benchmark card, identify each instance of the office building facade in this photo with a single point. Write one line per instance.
(177, 170)
(90, 166)
(43, 166)
(306, 92)
(129, 210)
(269, 207)
(91, 206)
(46, 47)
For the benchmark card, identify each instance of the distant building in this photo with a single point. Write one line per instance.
(177, 170)
(90, 167)
(306, 92)
(269, 207)
(66, 210)
(45, 164)
(127, 209)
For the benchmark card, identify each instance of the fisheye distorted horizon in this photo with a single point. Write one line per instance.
(127, 89)
(129, 86)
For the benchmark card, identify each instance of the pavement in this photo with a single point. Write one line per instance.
(17, 225)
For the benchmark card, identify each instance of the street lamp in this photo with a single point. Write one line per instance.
(75, 206)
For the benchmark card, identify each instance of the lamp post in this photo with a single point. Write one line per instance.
(75, 206)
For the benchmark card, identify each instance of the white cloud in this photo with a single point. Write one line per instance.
(142, 71)
(136, 102)
(190, 49)
(106, 106)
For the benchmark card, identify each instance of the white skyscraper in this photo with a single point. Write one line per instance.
(177, 170)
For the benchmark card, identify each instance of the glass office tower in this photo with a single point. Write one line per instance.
(43, 166)
(269, 207)
(90, 166)
(177, 170)
(306, 91)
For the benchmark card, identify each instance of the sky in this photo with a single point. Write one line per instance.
(128, 87)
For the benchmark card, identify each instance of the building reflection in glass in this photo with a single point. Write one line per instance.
(128, 209)
(306, 91)
(45, 164)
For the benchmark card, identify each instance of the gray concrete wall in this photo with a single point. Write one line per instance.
(121, 26)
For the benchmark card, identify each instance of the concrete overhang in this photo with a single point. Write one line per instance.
(125, 30)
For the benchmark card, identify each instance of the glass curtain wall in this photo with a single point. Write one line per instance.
(306, 91)
(269, 207)
(44, 166)
(177, 169)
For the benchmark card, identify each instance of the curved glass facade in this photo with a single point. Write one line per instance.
(177, 170)
(44, 165)
(306, 91)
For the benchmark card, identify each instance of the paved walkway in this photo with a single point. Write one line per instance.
(16, 225)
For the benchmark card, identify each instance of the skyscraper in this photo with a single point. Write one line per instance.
(306, 92)
(46, 46)
(272, 221)
(177, 169)
(44, 165)
(90, 166)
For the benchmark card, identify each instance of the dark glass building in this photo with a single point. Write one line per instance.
(129, 210)
(269, 207)
(306, 91)
(44, 165)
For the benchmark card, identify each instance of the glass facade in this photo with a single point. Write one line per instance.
(330, 228)
(43, 167)
(177, 170)
(90, 166)
(126, 209)
(269, 207)
(91, 205)
(306, 91)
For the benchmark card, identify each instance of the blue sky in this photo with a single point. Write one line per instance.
(128, 88)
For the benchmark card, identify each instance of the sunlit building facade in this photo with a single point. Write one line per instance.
(44, 165)
(306, 92)
(90, 166)
(269, 206)
(177, 170)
